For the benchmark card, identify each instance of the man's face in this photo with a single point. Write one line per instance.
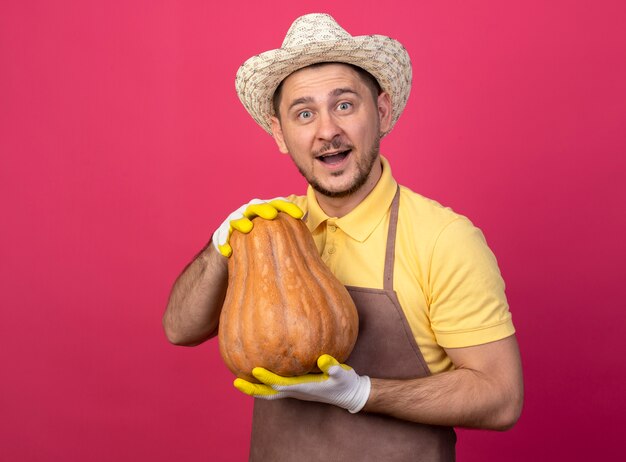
(330, 124)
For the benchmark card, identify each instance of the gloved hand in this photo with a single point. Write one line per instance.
(338, 384)
(241, 219)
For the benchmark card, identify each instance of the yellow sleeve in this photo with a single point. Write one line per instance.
(468, 305)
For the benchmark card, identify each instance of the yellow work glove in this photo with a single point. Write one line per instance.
(338, 384)
(241, 219)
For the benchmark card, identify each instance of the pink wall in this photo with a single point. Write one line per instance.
(118, 119)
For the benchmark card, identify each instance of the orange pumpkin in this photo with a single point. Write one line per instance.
(283, 307)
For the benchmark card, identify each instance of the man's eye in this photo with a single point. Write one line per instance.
(344, 106)
(305, 115)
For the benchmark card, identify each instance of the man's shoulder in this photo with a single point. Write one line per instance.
(424, 224)
(425, 211)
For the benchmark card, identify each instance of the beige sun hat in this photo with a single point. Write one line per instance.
(317, 38)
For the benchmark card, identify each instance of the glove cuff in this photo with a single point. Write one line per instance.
(362, 394)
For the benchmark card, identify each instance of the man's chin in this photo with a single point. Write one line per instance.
(337, 191)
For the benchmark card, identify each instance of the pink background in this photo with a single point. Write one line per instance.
(123, 145)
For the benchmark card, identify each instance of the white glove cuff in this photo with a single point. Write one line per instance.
(362, 394)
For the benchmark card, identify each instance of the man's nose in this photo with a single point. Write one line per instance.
(328, 128)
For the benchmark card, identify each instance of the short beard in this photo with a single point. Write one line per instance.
(364, 169)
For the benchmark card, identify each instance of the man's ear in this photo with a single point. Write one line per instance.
(384, 111)
(277, 131)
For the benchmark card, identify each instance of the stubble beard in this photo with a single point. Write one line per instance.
(364, 168)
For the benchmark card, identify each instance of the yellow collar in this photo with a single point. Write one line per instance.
(360, 222)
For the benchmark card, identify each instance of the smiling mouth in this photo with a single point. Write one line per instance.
(334, 158)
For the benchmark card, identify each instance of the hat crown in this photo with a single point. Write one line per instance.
(314, 28)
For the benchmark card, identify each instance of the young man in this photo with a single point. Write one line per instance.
(436, 346)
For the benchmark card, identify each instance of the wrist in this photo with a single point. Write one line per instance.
(211, 261)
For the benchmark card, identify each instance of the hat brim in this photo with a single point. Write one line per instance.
(383, 57)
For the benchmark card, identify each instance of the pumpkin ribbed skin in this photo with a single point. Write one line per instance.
(283, 307)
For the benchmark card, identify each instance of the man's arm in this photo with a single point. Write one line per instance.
(196, 300)
(195, 304)
(484, 391)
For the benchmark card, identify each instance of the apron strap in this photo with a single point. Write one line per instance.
(390, 255)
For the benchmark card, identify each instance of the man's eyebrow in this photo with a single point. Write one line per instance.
(303, 100)
(340, 91)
